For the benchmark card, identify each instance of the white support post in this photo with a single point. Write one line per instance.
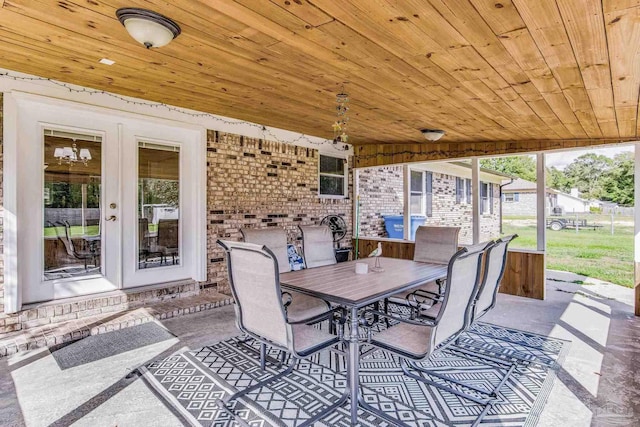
(356, 211)
(356, 194)
(541, 205)
(407, 203)
(475, 198)
(12, 285)
(636, 222)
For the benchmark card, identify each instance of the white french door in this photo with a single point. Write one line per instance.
(104, 200)
(160, 195)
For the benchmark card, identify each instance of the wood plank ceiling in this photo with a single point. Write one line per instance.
(482, 70)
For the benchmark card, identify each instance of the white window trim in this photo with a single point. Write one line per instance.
(422, 192)
(485, 211)
(467, 197)
(345, 176)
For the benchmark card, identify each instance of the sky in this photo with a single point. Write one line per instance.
(561, 159)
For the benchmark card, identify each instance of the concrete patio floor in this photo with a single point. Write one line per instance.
(597, 385)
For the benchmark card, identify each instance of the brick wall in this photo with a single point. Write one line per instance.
(527, 204)
(257, 184)
(381, 193)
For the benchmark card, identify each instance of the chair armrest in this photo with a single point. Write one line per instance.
(412, 298)
(428, 320)
(319, 318)
(288, 297)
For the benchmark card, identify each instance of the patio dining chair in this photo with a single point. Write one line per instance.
(298, 306)
(415, 340)
(167, 241)
(81, 254)
(144, 244)
(433, 245)
(260, 314)
(494, 268)
(317, 245)
(495, 264)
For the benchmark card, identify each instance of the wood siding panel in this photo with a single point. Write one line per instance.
(391, 249)
(637, 287)
(524, 274)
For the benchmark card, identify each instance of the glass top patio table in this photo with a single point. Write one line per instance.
(339, 284)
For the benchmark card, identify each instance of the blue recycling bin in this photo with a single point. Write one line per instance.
(394, 224)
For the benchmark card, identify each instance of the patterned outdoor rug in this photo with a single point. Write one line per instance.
(190, 383)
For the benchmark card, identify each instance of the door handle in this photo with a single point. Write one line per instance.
(111, 218)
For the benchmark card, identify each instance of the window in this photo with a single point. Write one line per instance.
(158, 205)
(463, 190)
(72, 192)
(486, 198)
(417, 193)
(509, 197)
(333, 176)
(421, 193)
(429, 181)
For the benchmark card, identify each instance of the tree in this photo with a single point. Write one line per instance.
(586, 173)
(521, 166)
(617, 184)
(159, 191)
(557, 179)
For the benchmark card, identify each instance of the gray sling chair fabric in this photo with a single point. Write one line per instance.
(70, 247)
(416, 340)
(317, 245)
(434, 245)
(495, 264)
(494, 268)
(299, 306)
(255, 286)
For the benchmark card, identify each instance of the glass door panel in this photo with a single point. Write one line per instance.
(159, 227)
(71, 198)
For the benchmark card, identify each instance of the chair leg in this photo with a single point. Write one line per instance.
(405, 368)
(441, 283)
(488, 403)
(512, 354)
(263, 355)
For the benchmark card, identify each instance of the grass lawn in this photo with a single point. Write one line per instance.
(90, 230)
(593, 253)
(76, 230)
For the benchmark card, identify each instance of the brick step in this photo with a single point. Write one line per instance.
(57, 333)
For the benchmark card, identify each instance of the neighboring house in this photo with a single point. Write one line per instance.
(438, 191)
(519, 198)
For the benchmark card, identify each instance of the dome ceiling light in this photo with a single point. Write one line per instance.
(147, 27)
(432, 134)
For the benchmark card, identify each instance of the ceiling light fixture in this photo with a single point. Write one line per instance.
(432, 134)
(148, 27)
(107, 61)
(70, 155)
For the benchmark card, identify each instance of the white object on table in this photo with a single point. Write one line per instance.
(362, 268)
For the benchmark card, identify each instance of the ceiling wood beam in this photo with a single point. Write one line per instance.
(389, 154)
